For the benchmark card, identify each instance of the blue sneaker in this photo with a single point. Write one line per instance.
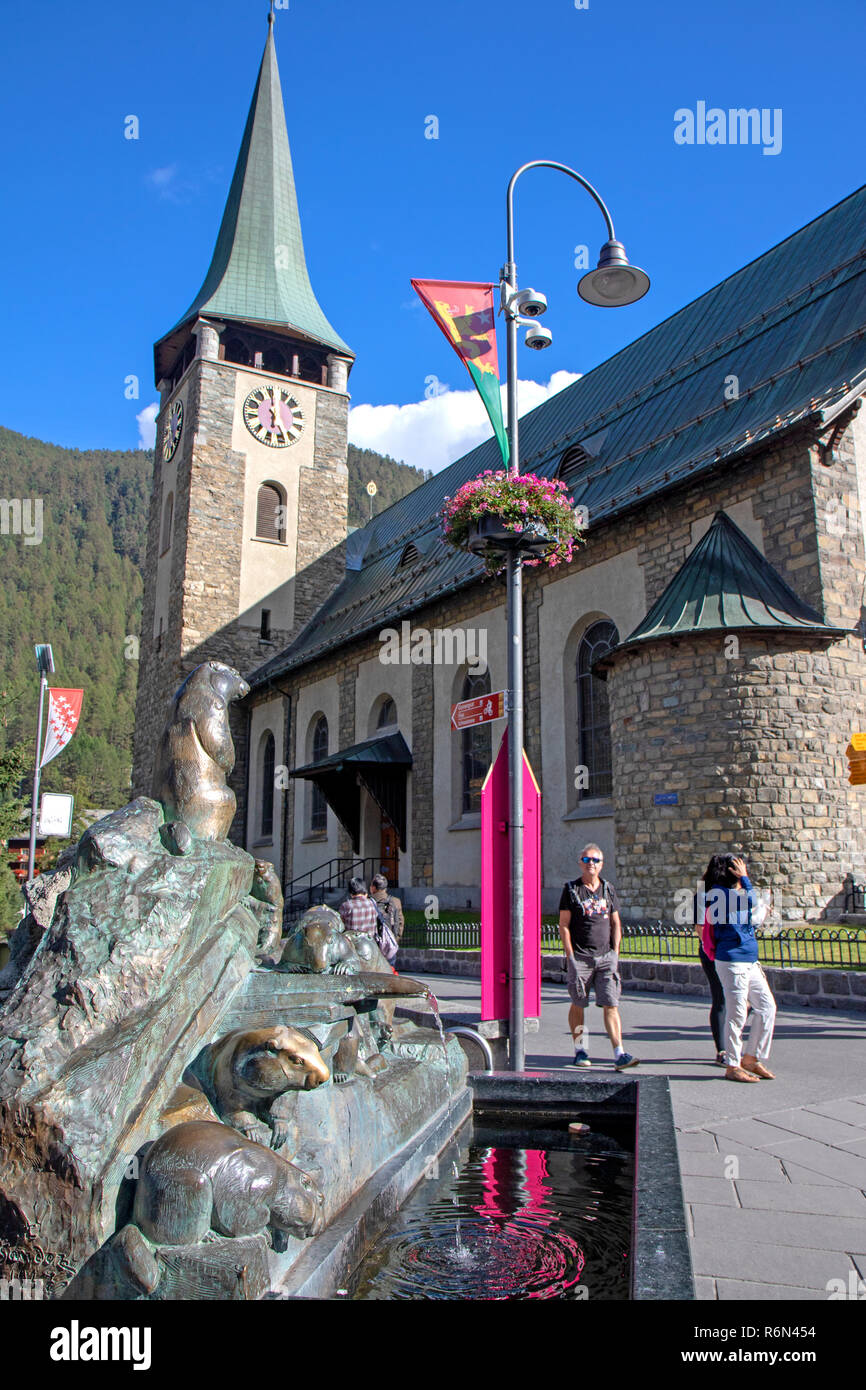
(626, 1060)
(581, 1059)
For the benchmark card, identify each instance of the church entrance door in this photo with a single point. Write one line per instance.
(389, 851)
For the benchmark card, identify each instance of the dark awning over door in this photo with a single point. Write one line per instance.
(380, 765)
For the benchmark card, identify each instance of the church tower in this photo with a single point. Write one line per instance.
(250, 485)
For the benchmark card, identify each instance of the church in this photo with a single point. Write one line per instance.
(692, 676)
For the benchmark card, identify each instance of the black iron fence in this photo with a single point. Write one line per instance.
(790, 946)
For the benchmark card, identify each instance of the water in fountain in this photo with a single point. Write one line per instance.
(552, 1221)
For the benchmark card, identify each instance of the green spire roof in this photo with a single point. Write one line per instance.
(258, 273)
(726, 584)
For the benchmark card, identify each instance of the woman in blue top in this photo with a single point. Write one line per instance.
(731, 907)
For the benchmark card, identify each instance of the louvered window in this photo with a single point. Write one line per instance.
(167, 518)
(409, 556)
(270, 514)
(318, 804)
(268, 748)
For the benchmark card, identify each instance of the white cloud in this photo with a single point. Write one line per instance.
(147, 425)
(433, 433)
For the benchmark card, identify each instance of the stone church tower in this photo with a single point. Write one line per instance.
(250, 485)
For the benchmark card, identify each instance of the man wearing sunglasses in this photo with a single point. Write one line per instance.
(590, 929)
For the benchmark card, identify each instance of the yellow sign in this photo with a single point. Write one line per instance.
(857, 744)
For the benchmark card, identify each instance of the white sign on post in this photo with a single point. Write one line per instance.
(55, 814)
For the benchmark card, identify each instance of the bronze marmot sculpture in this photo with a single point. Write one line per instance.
(203, 1176)
(196, 752)
(246, 1072)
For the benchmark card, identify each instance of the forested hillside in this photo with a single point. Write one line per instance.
(80, 589)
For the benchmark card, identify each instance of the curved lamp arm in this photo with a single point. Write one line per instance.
(563, 169)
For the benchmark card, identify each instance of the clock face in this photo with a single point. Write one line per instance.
(173, 430)
(273, 416)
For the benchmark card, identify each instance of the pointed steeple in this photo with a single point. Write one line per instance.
(726, 584)
(258, 274)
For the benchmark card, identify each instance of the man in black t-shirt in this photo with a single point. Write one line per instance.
(590, 929)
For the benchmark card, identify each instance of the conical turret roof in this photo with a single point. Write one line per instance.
(258, 273)
(726, 584)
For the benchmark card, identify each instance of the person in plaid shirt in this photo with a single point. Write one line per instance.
(358, 911)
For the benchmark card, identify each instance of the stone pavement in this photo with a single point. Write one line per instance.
(774, 1174)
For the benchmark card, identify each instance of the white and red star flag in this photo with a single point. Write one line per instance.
(64, 712)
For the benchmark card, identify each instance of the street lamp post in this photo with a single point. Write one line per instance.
(614, 282)
(45, 665)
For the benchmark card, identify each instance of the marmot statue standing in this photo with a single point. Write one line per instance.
(196, 752)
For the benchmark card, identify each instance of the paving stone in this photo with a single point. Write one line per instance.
(754, 1134)
(828, 1200)
(811, 1126)
(767, 1264)
(803, 1176)
(760, 1166)
(705, 1288)
(696, 1141)
(731, 1290)
(852, 1112)
(820, 1158)
(780, 1228)
(860, 1263)
(717, 1192)
(857, 1147)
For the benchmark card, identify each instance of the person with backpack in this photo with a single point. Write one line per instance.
(732, 912)
(389, 911)
(590, 929)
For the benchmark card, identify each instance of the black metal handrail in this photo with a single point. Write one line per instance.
(789, 946)
(301, 893)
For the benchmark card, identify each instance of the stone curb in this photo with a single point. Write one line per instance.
(819, 989)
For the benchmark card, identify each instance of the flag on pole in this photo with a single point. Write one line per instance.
(64, 712)
(464, 311)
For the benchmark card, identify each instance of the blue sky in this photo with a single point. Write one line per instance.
(104, 240)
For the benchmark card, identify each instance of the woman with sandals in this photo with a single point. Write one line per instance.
(731, 947)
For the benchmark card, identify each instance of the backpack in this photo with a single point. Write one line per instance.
(385, 938)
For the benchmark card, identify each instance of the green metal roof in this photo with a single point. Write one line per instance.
(790, 327)
(726, 584)
(258, 273)
(390, 749)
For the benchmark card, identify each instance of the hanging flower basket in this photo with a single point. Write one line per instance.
(497, 513)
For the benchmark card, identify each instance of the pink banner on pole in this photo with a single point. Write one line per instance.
(496, 890)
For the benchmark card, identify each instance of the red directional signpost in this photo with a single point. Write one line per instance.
(479, 710)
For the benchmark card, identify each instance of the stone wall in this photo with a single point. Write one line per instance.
(752, 744)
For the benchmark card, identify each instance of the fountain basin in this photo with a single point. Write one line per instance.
(630, 1146)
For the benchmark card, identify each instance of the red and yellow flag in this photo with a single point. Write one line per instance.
(465, 313)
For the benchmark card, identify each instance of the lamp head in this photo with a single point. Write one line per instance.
(613, 282)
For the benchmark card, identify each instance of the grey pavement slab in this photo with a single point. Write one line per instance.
(716, 1192)
(829, 1200)
(750, 1164)
(860, 1263)
(769, 1264)
(696, 1141)
(820, 1158)
(853, 1112)
(805, 1177)
(738, 1290)
(811, 1126)
(705, 1288)
(782, 1228)
(751, 1133)
(857, 1146)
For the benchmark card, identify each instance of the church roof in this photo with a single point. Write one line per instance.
(258, 273)
(726, 584)
(786, 334)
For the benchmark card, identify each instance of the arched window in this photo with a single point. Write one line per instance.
(476, 747)
(593, 710)
(318, 804)
(267, 750)
(271, 513)
(236, 350)
(387, 714)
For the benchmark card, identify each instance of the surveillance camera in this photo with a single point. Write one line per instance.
(538, 337)
(530, 303)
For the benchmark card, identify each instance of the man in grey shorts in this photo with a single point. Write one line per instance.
(590, 929)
